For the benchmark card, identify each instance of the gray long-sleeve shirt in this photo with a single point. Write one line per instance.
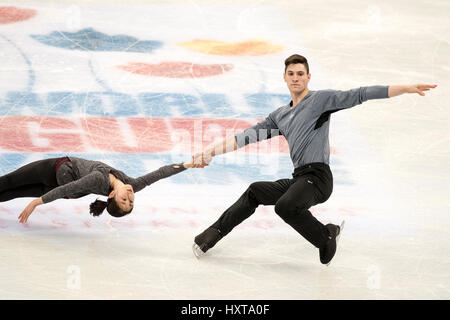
(306, 126)
(80, 177)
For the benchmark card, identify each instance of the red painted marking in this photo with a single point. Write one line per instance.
(148, 135)
(264, 224)
(38, 134)
(14, 14)
(6, 210)
(104, 134)
(176, 69)
(59, 224)
(192, 224)
(3, 224)
(160, 223)
(129, 224)
(351, 211)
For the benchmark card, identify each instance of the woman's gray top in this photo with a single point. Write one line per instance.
(79, 177)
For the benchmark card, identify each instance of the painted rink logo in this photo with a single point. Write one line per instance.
(123, 135)
(179, 91)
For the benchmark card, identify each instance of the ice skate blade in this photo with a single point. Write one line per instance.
(341, 227)
(198, 253)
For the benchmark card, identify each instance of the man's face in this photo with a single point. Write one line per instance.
(296, 78)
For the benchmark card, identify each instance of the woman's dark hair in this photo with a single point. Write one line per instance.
(296, 58)
(96, 208)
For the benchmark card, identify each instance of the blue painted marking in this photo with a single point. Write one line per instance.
(171, 104)
(12, 161)
(264, 103)
(216, 104)
(91, 40)
(16, 101)
(147, 104)
(105, 104)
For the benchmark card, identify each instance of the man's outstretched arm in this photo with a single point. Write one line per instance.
(335, 100)
(202, 159)
(261, 131)
(409, 88)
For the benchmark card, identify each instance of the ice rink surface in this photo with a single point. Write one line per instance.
(141, 84)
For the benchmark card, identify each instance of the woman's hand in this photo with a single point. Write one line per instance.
(192, 164)
(23, 217)
(188, 165)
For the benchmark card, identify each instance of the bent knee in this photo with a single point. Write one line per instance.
(286, 209)
(255, 186)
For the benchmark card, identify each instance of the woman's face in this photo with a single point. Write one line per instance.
(124, 197)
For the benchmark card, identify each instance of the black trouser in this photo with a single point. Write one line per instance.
(32, 180)
(311, 184)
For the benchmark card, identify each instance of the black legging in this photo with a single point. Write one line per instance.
(312, 184)
(32, 180)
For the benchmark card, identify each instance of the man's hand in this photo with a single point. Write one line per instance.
(411, 88)
(201, 159)
(23, 217)
(420, 88)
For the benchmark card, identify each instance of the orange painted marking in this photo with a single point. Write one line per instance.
(246, 48)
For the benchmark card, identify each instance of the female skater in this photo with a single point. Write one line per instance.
(72, 177)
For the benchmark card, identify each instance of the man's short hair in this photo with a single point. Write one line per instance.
(296, 58)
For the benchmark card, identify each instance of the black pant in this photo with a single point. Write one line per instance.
(311, 184)
(32, 180)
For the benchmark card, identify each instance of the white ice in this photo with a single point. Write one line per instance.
(395, 152)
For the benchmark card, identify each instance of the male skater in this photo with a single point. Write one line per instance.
(304, 122)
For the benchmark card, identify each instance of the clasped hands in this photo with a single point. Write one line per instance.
(201, 159)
